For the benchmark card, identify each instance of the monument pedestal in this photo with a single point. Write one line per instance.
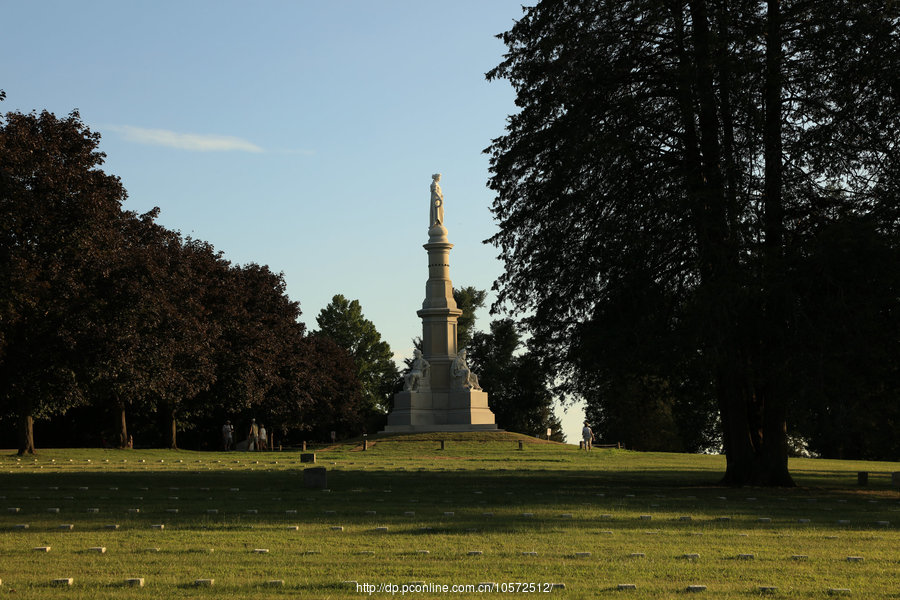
(456, 410)
(435, 399)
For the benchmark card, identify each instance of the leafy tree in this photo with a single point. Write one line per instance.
(635, 366)
(468, 299)
(114, 356)
(259, 325)
(687, 140)
(516, 382)
(56, 207)
(343, 322)
(846, 376)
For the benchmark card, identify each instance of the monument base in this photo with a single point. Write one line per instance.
(440, 410)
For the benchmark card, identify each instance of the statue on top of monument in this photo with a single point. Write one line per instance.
(437, 202)
(418, 377)
(463, 377)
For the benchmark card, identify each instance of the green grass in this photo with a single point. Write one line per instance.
(577, 502)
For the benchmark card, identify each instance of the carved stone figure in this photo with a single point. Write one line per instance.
(437, 202)
(419, 373)
(463, 377)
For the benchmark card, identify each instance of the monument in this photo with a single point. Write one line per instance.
(440, 392)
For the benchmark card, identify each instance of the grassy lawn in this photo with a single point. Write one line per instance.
(479, 511)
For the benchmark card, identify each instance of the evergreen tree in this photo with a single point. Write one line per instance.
(687, 141)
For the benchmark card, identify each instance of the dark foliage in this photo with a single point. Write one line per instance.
(106, 316)
(661, 172)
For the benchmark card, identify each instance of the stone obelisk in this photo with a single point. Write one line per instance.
(440, 392)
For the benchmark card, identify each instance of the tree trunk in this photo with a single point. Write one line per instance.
(773, 456)
(26, 434)
(123, 428)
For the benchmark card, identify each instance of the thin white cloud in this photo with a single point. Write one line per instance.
(186, 141)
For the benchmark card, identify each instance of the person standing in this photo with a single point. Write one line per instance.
(588, 436)
(227, 435)
(254, 435)
(263, 438)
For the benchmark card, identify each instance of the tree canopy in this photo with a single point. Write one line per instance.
(518, 385)
(343, 322)
(683, 151)
(104, 312)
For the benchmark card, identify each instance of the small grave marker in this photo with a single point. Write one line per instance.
(275, 583)
(855, 559)
(764, 520)
(41, 549)
(52, 510)
(767, 589)
(746, 556)
(626, 586)
(423, 552)
(646, 517)
(204, 582)
(98, 549)
(696, 588)
(260, 551)
(111, 526)
(158, 526)
(67, 527)
(93, 510)
(337, 528)
(63, 581)
(637, 555)
(381, 529)
(531, 553)
(474, 553)
(800, 557)
(21, 526)
(135, 582)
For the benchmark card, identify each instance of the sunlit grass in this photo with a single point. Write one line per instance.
(479, 494)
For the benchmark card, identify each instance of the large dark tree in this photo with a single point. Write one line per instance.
(56, 211)
(687, 140)
(115, 358)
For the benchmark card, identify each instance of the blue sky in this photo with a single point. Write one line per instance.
(297, 134)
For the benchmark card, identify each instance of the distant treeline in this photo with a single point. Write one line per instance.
(113, 326)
